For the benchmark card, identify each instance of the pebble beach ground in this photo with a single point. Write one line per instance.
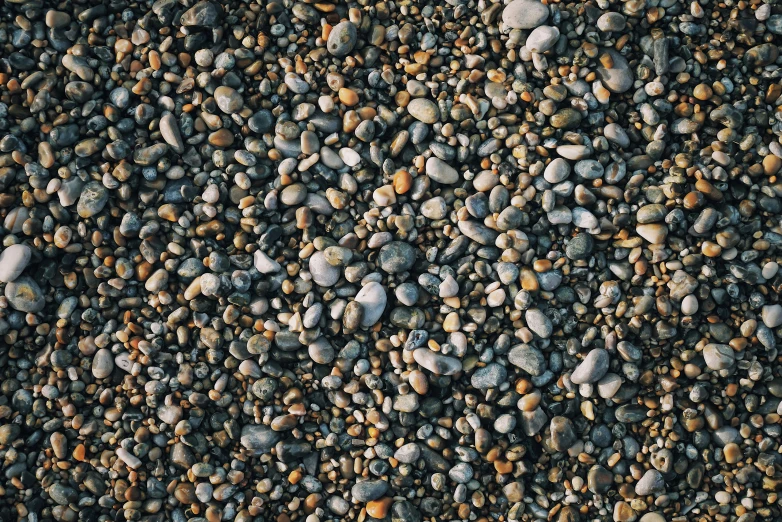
(395, 261)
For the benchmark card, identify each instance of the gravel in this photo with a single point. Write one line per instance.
(391, 261)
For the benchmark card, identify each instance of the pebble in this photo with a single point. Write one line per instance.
(539, 323)
(439, 171)
(342, 39)
(25, 295)
(437, 363)
(368, 490)
(615, 72)
(258, 438)
(524, 14)
(592, 368)
(611, 22)
(372, 298)
(650, 483)
(528, 358)
(718, 356)
(542, 38)
(93, 199)
(562, 433)
(490, 376)
(771, 314)
(13, 261)
(102, 363)
(323, 273)
(396, 257)
(425, 111)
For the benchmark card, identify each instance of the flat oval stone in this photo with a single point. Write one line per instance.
(102, 363)
(651, 213)
(25, 295)
(408, 454)
(528, 358)
(373, 299)
(342, 39)
(556, 171)
(719, 356)
(228, 100)
(258, 438)
(524, 14)
(771, 314)
(618, 77)
(397, 257)
(13, 261)
(323, 273)
(441, 172)
(478, 232)
(611, 22)
(424, 110)
(542, 38)
(539, 323)
(368, 490)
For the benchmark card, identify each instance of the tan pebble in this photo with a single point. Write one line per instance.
(402, 181)
(348, 97)
(452, 322)
(379, 508)
(702, 92)
(384, 196)
(771, 165)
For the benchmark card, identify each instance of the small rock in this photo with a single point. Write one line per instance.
(25, 295)
(342, 39)
(524, 14)
(592, 368)
(13, 260)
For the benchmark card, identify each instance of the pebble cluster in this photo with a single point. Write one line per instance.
(394, 260)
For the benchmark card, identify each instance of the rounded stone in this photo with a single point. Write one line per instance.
(323, 273)
(372, 297)
(102, 363)
(524, 14)
(542, 38)
(13, 260)
(25, 295)
(228, 99)
(396, 257)
(93, 199)
(342, 39)
(424, 110)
